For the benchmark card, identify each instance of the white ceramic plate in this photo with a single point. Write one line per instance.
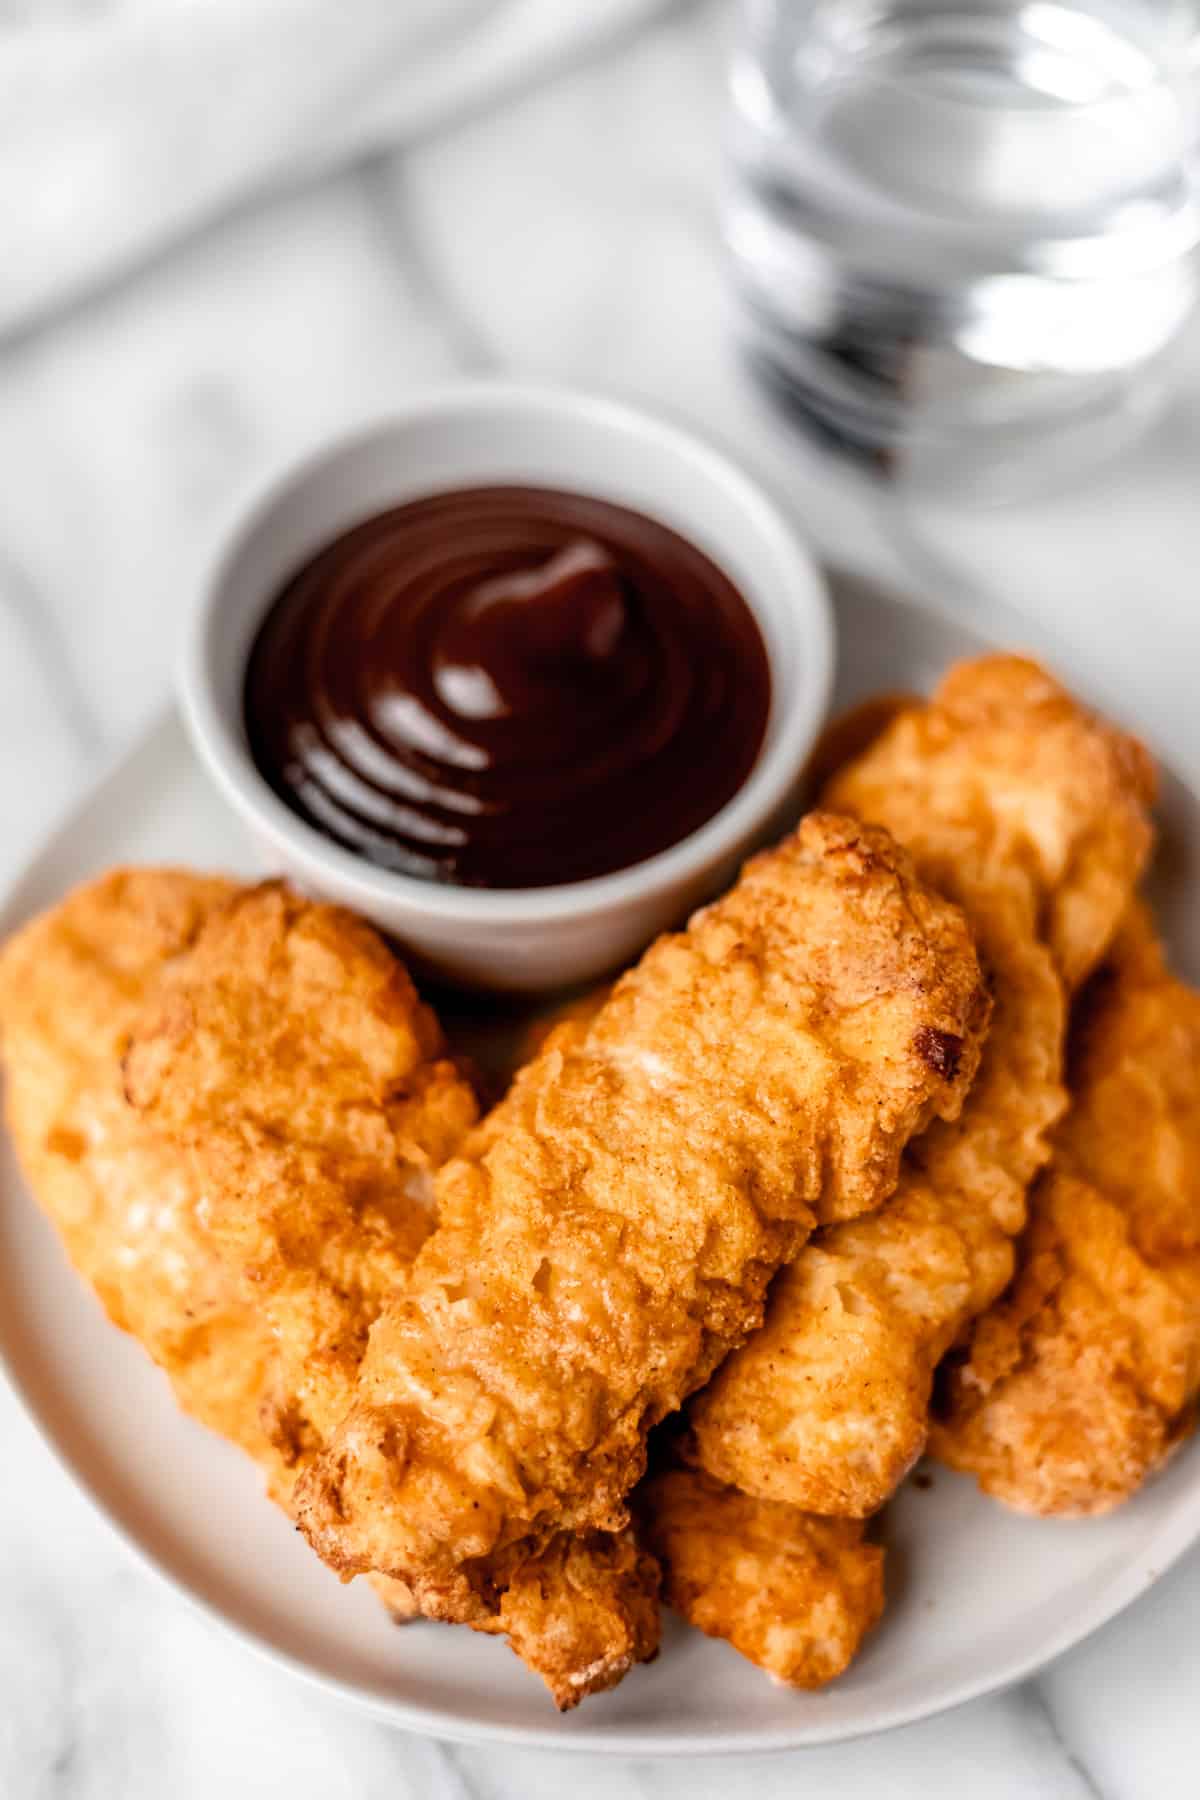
(978, 1597)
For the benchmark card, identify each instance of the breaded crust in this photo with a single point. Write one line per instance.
(1083, 1378)
(72, 983)
(1032, 814)
(231, 1102)
(296, 1073)
(582, 1612)
(609, 1233)
(794, 1593)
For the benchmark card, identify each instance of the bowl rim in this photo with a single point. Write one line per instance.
(789, 738)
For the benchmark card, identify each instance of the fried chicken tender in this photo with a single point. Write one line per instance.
(231, 1101)
(1032, 815)
(71, 985)
(292, 1068)
(305, 1064)
(581, 1613)
(1083, 1378)
(609, 1233)
(794, 1593)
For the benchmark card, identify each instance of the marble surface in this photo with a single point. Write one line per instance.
(564, 233)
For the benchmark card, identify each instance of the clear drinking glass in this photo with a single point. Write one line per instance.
(964, 231)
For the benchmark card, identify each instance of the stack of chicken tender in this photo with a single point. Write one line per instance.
(856, 1129)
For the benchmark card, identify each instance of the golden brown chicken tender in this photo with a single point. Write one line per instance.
(609, 1233)
(581, 1613)
(1032, 815)
(306, 1067)
(291, 1066)
(231, 1102)
(795, 1593)
(1083, 1377)
(71, 985)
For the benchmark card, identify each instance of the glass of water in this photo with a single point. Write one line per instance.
(964, 231)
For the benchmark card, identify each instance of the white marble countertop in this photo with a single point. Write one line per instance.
(566, 233)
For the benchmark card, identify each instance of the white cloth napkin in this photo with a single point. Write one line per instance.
(125, 123)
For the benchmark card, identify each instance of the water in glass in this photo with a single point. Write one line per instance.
(964, 231)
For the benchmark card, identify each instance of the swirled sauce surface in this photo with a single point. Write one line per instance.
(507, 687)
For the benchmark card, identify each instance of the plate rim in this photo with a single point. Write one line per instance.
(1177, 1534)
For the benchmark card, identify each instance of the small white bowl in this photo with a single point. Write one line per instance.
(524, 939)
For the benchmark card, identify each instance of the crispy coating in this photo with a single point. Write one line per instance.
(579, 1610)
(290, 1064)
(71, 985)
(1005, 770)
(582, 1612)
(234, 1018)
(1033, 816)
(580, 1009)
(1082, 1379)
(794, 1593)
(230, 1102)
(610, 1231)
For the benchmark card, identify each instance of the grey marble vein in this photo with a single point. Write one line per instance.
(1042, 1721)
(401, 1766)
(454, 1781)
(598, 49)
(44, 635)
(58, 1762)
(80, 1730)
(385, 184)
(207, 437)
(617, 44)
